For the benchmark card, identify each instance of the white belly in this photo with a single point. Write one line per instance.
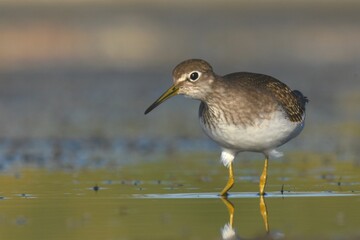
(262, 136)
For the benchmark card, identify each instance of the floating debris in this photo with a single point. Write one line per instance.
(339, 182)
(96, 188)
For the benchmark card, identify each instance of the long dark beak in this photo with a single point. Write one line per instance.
(168, 94)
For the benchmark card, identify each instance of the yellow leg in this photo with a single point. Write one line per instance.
(230, 207)
(230, 182)
(263, 177)
(264, 213)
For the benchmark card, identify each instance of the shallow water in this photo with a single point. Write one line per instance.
(177, 199)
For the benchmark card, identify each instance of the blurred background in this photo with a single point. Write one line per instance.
(88, 69)
(77, 75)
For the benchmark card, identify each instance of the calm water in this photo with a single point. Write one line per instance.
(308, 197)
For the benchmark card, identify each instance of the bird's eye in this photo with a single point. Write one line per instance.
(194, 76)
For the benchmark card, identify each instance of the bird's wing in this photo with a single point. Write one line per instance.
(292, 104)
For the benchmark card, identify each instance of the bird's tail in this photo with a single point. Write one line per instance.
(301, 98)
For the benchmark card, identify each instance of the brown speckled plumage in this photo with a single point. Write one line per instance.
(257, 96)
(267, 91)
(259, 93)
(240, 111)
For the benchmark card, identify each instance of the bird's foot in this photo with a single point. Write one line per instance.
(262, 194)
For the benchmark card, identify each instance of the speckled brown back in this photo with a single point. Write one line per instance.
(293, 102)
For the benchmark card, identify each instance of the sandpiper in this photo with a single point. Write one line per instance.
(240, 111)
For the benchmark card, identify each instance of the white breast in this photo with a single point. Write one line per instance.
(263, 135)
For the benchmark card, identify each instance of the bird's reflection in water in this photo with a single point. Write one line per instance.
(229, 233)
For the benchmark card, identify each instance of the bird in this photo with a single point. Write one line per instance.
(240, 111)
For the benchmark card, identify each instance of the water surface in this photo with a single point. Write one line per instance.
(177, 199)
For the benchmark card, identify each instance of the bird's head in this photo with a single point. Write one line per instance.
(192, 78)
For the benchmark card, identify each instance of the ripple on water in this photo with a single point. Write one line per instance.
(245, 195)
